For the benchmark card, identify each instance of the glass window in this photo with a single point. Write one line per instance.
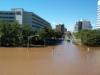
(18, 13)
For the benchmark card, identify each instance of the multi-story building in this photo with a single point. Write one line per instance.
(82, 25)
(24, 17)
(98, 14)
(60, 28)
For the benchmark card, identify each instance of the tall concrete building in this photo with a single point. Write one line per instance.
(24, 17)
(83, 24)
(98, 14)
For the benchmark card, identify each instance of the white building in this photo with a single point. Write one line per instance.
(82, 25)
(24, 17)
(98, 14)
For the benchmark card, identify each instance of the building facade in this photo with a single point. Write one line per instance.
(60, 28)
(24, 17)
(98, 14)
(82, 25)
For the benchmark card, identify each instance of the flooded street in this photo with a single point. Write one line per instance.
(64, 59)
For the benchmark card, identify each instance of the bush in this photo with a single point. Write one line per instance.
(89, 37)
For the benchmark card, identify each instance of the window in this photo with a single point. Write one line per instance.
(18, 13)
(11, 17)
(11, 13)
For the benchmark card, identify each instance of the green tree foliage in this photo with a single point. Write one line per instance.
(45, 33)
(9, 33)
(26, 31)
(14, 34)
(89, 37)
(58, 34)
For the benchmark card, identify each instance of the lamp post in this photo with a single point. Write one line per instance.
(44, 42)
(0, 40)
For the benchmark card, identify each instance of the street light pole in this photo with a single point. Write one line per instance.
(28, 41)
(44, 42)
(0, 40)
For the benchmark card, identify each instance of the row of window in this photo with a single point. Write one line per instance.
(6, 13)
(7, 20)
(5, 17)
(42, 23)
(36, 21)
(36, 26)
(40, 19)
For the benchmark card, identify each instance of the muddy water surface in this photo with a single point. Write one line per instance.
(64, 59)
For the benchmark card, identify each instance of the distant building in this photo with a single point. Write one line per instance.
(24, 17)
(98, 14)
(65, 30)
(60, 28)
(83, 24)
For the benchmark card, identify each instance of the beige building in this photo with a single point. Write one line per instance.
(60, 28)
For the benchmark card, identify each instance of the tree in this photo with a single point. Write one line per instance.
(45, 33)
(9, 33)
(26, 31)
(89, 37)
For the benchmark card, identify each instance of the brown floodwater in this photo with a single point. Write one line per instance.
(64, 59)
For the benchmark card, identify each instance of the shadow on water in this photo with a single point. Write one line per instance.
(46, 44)
(57, 42)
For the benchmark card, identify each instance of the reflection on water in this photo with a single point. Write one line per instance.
(64, 59)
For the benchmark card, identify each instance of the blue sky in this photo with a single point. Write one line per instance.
(57, 11)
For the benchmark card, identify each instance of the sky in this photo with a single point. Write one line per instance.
(57, 11)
